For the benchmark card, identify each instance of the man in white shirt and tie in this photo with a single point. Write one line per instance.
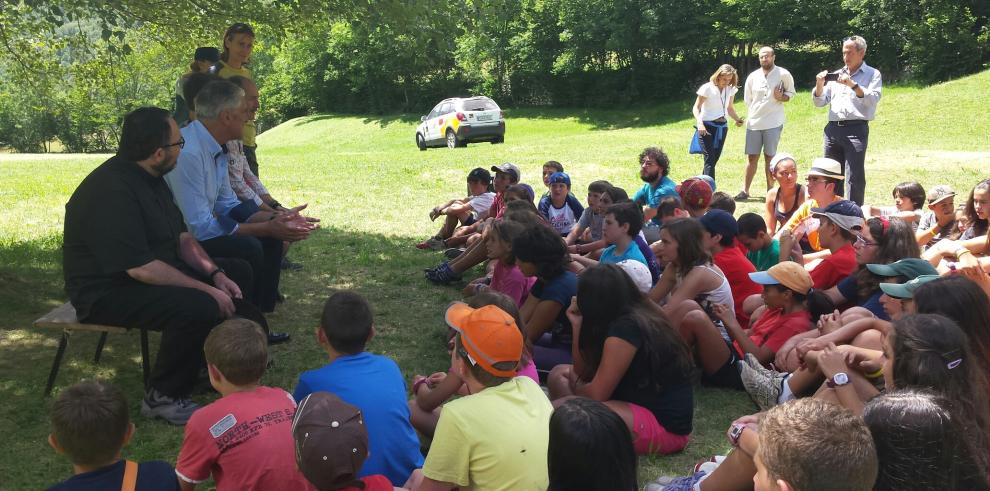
(765, 92)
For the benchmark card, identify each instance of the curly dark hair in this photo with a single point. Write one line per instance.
(659, 156)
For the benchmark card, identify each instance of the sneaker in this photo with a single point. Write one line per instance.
(443, 275)
(453, 252)
(434, 243)
(763, 385)
(174, 411)
(742, 196)
(672, 483)
(709, 466)
(288, 265)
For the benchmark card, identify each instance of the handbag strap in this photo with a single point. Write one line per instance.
(130, 476)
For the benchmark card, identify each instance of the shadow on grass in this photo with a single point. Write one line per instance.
(387, 270)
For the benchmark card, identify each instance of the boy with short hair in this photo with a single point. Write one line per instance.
(549, 168)
(589, 226)
(722, 201)
(243, 439)
(560, 208)
(332, 444)
(623, 221)
(90, 426)
(812, 445)
(497, 437)
(839, 224)
(763, 249)
(939, 222)
(371, 382)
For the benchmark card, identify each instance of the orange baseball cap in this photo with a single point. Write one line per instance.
(489, 336)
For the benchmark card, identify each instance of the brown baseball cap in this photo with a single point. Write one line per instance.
(331, 440)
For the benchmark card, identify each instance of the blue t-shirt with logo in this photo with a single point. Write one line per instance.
(632, 252)
(375, 385)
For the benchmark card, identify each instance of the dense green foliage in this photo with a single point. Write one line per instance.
(70, 68)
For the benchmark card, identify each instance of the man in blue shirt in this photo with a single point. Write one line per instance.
(225, 226)
(852, 98)
(653, 169)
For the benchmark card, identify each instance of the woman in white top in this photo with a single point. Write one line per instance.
(714, 103)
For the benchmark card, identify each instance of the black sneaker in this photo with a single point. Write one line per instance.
(173, 410)
(444, 275)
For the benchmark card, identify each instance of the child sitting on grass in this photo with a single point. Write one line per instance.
(589, 226)
(590, 449)
(496, 437)
(464, 211)
(808, 445)
(909, 198)
(623, 222)
(506, 277)
(763, 249)
(429, 393)
(90, 426)
(332, 445)
(244, 438)
(628, 356)
(560, 208)
(371, 382)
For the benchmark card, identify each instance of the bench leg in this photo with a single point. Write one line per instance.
(144, 357)
(99, 347)
(63, 342)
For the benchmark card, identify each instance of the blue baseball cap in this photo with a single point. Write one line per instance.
(560, 178)
(844, 213)
(709, 179)
(720, 222)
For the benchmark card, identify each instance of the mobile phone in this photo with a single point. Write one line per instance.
(831, 77)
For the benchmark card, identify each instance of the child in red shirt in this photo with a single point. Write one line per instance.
(243, 439)
(839, 221)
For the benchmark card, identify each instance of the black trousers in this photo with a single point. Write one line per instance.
(847, 145)
(251, 154)
(184, 316)
(265, 257)
(712, 144)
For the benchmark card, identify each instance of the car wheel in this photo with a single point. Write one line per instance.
(420, 142)
(452, 141)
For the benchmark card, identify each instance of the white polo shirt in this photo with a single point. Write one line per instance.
(765, 112)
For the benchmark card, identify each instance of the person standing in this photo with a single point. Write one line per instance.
(203, 59)
(765, 92)
(238, 42)
(714, 103)
(852, 96)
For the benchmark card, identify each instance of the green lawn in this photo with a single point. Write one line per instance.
(371, 186)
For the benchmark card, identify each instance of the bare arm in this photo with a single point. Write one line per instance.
(617, 355)
(429, 399)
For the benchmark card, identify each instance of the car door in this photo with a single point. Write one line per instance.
(442, 121)
(430, 126)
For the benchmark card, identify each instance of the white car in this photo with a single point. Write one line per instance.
(457, 121)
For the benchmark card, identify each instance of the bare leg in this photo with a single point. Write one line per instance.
(735, 473)
(425, 422)
(472, 256)
(766, 170)
(700, 333)
(752, 160)
(449, 224)
(869, 339)
(752, 303)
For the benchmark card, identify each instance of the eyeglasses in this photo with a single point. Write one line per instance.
(811, 180)
(181, 143)
(861, 242)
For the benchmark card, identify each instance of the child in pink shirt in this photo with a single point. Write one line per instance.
(506, 277)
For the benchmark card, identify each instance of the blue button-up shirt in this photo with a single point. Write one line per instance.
(201, 185)
(845, 104)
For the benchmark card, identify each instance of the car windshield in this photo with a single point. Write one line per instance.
(480, 104)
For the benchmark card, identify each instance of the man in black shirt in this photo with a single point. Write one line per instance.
(129, 261)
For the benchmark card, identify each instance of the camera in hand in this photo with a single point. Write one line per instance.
(831, 77)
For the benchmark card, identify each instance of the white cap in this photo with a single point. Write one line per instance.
(639, 273)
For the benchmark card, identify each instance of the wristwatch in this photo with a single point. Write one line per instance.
(216, 272)
(837, 380)
(735, 432)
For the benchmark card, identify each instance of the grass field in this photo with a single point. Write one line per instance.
(372, 188)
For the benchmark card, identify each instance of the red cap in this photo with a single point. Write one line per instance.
(695, 193)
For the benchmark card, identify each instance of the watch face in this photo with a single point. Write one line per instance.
(840, 379)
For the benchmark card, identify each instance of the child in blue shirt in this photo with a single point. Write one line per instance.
(371, 382)
(623, 222)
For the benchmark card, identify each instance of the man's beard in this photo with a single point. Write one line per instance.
(649, 177)
(165, 166)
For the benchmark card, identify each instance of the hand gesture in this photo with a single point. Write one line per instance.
(832, 361)
(846, 80)
(723, 312)
(435, 379)
(223, 300)
(288, 227)
(227, 285)
(806, 345)
(820, 77)
(574, 315)
(778, 92)
(702, 131)
(829, 323)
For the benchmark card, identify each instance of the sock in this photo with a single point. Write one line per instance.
(785, 391)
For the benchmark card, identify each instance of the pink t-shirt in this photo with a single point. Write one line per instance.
(510, 281)
(245, 441)
(529, 371)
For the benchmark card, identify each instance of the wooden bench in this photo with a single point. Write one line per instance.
(64, 317)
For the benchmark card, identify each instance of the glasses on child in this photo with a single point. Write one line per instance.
(861, 242)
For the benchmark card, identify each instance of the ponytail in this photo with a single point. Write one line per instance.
(817, 303)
